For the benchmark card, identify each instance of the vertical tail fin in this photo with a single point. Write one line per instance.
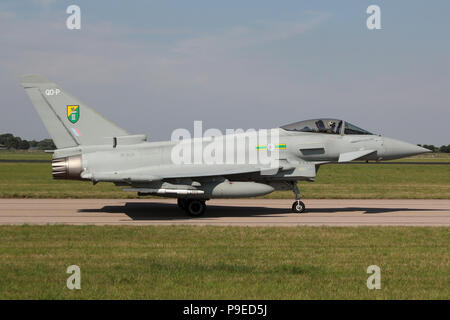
(68, 121)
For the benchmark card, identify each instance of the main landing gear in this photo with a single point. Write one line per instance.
(298, 206)
(193, 207)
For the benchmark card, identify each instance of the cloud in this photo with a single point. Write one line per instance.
(117, 65)
(111, 50)
(239, 37)
(258, 74)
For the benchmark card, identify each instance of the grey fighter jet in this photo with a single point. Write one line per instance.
(92, 148)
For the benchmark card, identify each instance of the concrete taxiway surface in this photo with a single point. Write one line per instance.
(249, 212)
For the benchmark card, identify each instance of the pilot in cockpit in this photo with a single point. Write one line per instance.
(332, 127)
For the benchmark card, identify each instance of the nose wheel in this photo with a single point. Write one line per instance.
(298, 206)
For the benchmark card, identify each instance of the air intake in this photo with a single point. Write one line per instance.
(67, 168)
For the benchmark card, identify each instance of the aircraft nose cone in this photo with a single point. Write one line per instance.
(394, 149)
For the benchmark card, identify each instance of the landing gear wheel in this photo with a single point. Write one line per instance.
(182, 203)
(298, 207)
(195, 208)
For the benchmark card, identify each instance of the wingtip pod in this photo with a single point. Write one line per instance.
(30, 79)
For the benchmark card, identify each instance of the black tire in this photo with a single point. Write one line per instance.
(182, 203)
(195, 208)
(298, 207)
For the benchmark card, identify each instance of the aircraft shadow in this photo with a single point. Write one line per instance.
(168, 211)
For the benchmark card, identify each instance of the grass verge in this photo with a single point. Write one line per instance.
(34, 180)
(190, 262)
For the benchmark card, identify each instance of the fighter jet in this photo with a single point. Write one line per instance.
(92, 148)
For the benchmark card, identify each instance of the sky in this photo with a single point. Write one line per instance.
(155, 66)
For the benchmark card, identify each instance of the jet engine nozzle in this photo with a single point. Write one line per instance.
(67, 168)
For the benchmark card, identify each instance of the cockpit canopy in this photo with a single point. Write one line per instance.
(330, 126)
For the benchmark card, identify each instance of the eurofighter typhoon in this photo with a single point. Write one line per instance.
(194, 170)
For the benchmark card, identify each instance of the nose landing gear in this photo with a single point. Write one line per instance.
(298, 206)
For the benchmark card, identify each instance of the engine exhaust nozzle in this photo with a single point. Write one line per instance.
(67, 168)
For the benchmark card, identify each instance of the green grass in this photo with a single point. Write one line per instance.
(25, 155)
(34, 180)
(377, 182)
(434, 156)
(182, 262)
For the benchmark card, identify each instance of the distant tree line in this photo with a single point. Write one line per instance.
(9, 141)
(433, 148)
